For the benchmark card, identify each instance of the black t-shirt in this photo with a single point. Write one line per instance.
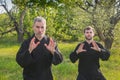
(89, 60)
(37, 65)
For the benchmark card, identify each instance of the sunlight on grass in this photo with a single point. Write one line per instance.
(10, 70)
(11, 51)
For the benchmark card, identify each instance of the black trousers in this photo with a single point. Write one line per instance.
(90, 76)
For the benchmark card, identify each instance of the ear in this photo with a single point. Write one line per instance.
(45, 27)
(93, 34)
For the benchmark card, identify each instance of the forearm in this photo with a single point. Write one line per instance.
(104, 54)
(24, 58)
(73, 57)
(57, 57)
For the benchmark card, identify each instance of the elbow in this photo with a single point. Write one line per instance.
(73, 61)
(57, 58)
(105, 58)
(58, 62)
(105, 55)
(19, 62)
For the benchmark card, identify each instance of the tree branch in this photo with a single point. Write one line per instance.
(85, 9)
(12, 29)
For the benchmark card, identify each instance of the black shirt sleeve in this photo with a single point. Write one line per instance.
(57, 57)
(104, 54)
(74, 55)
(23, 57)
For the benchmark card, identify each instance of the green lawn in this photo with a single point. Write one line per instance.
(10, 70)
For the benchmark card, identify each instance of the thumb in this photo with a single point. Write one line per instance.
(92, 47)
(37, 43)
(45, 45)
(84, 50)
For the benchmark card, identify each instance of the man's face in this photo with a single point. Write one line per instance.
(39, 28)
(89, 34)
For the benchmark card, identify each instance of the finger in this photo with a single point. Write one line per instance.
(52, 43)
(37, 43)
(81, 46)
(45, 45)
(96, 45)
(93, 43)
(92, 47)
(33, 39)
(84, 50)
(51, 40)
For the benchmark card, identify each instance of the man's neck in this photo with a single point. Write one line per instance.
(89, 41)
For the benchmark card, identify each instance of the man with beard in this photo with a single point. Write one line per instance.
(37, 54)
(89, 53)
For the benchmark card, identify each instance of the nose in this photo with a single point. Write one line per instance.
(40, 29)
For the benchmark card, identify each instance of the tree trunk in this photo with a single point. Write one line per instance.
(18, 26)
(21, 30)
(108, 43)
(20, 36)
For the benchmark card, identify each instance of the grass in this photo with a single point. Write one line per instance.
(10, 70)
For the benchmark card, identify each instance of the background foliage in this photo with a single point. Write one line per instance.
(65, 22)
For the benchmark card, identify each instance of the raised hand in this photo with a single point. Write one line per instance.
(80, 49)
(51, 46)
(95, 46)
(33, 45)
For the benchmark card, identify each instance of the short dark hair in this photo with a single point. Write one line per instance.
(88, 28)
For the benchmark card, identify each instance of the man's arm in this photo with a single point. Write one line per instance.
(74, 55)
(77, 52)
(57, 57)
(52, 47)
(103, 53)
(23, 57)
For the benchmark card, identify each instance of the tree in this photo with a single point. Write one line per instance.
(3, 3)
(22, 6)
(105, 14)
(18, 29)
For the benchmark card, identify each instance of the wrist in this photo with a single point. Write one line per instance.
(99, 49)
(53, 51)
(30, 51)
(77, 51)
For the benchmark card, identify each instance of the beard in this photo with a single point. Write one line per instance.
(39, 35)
(88, 38)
